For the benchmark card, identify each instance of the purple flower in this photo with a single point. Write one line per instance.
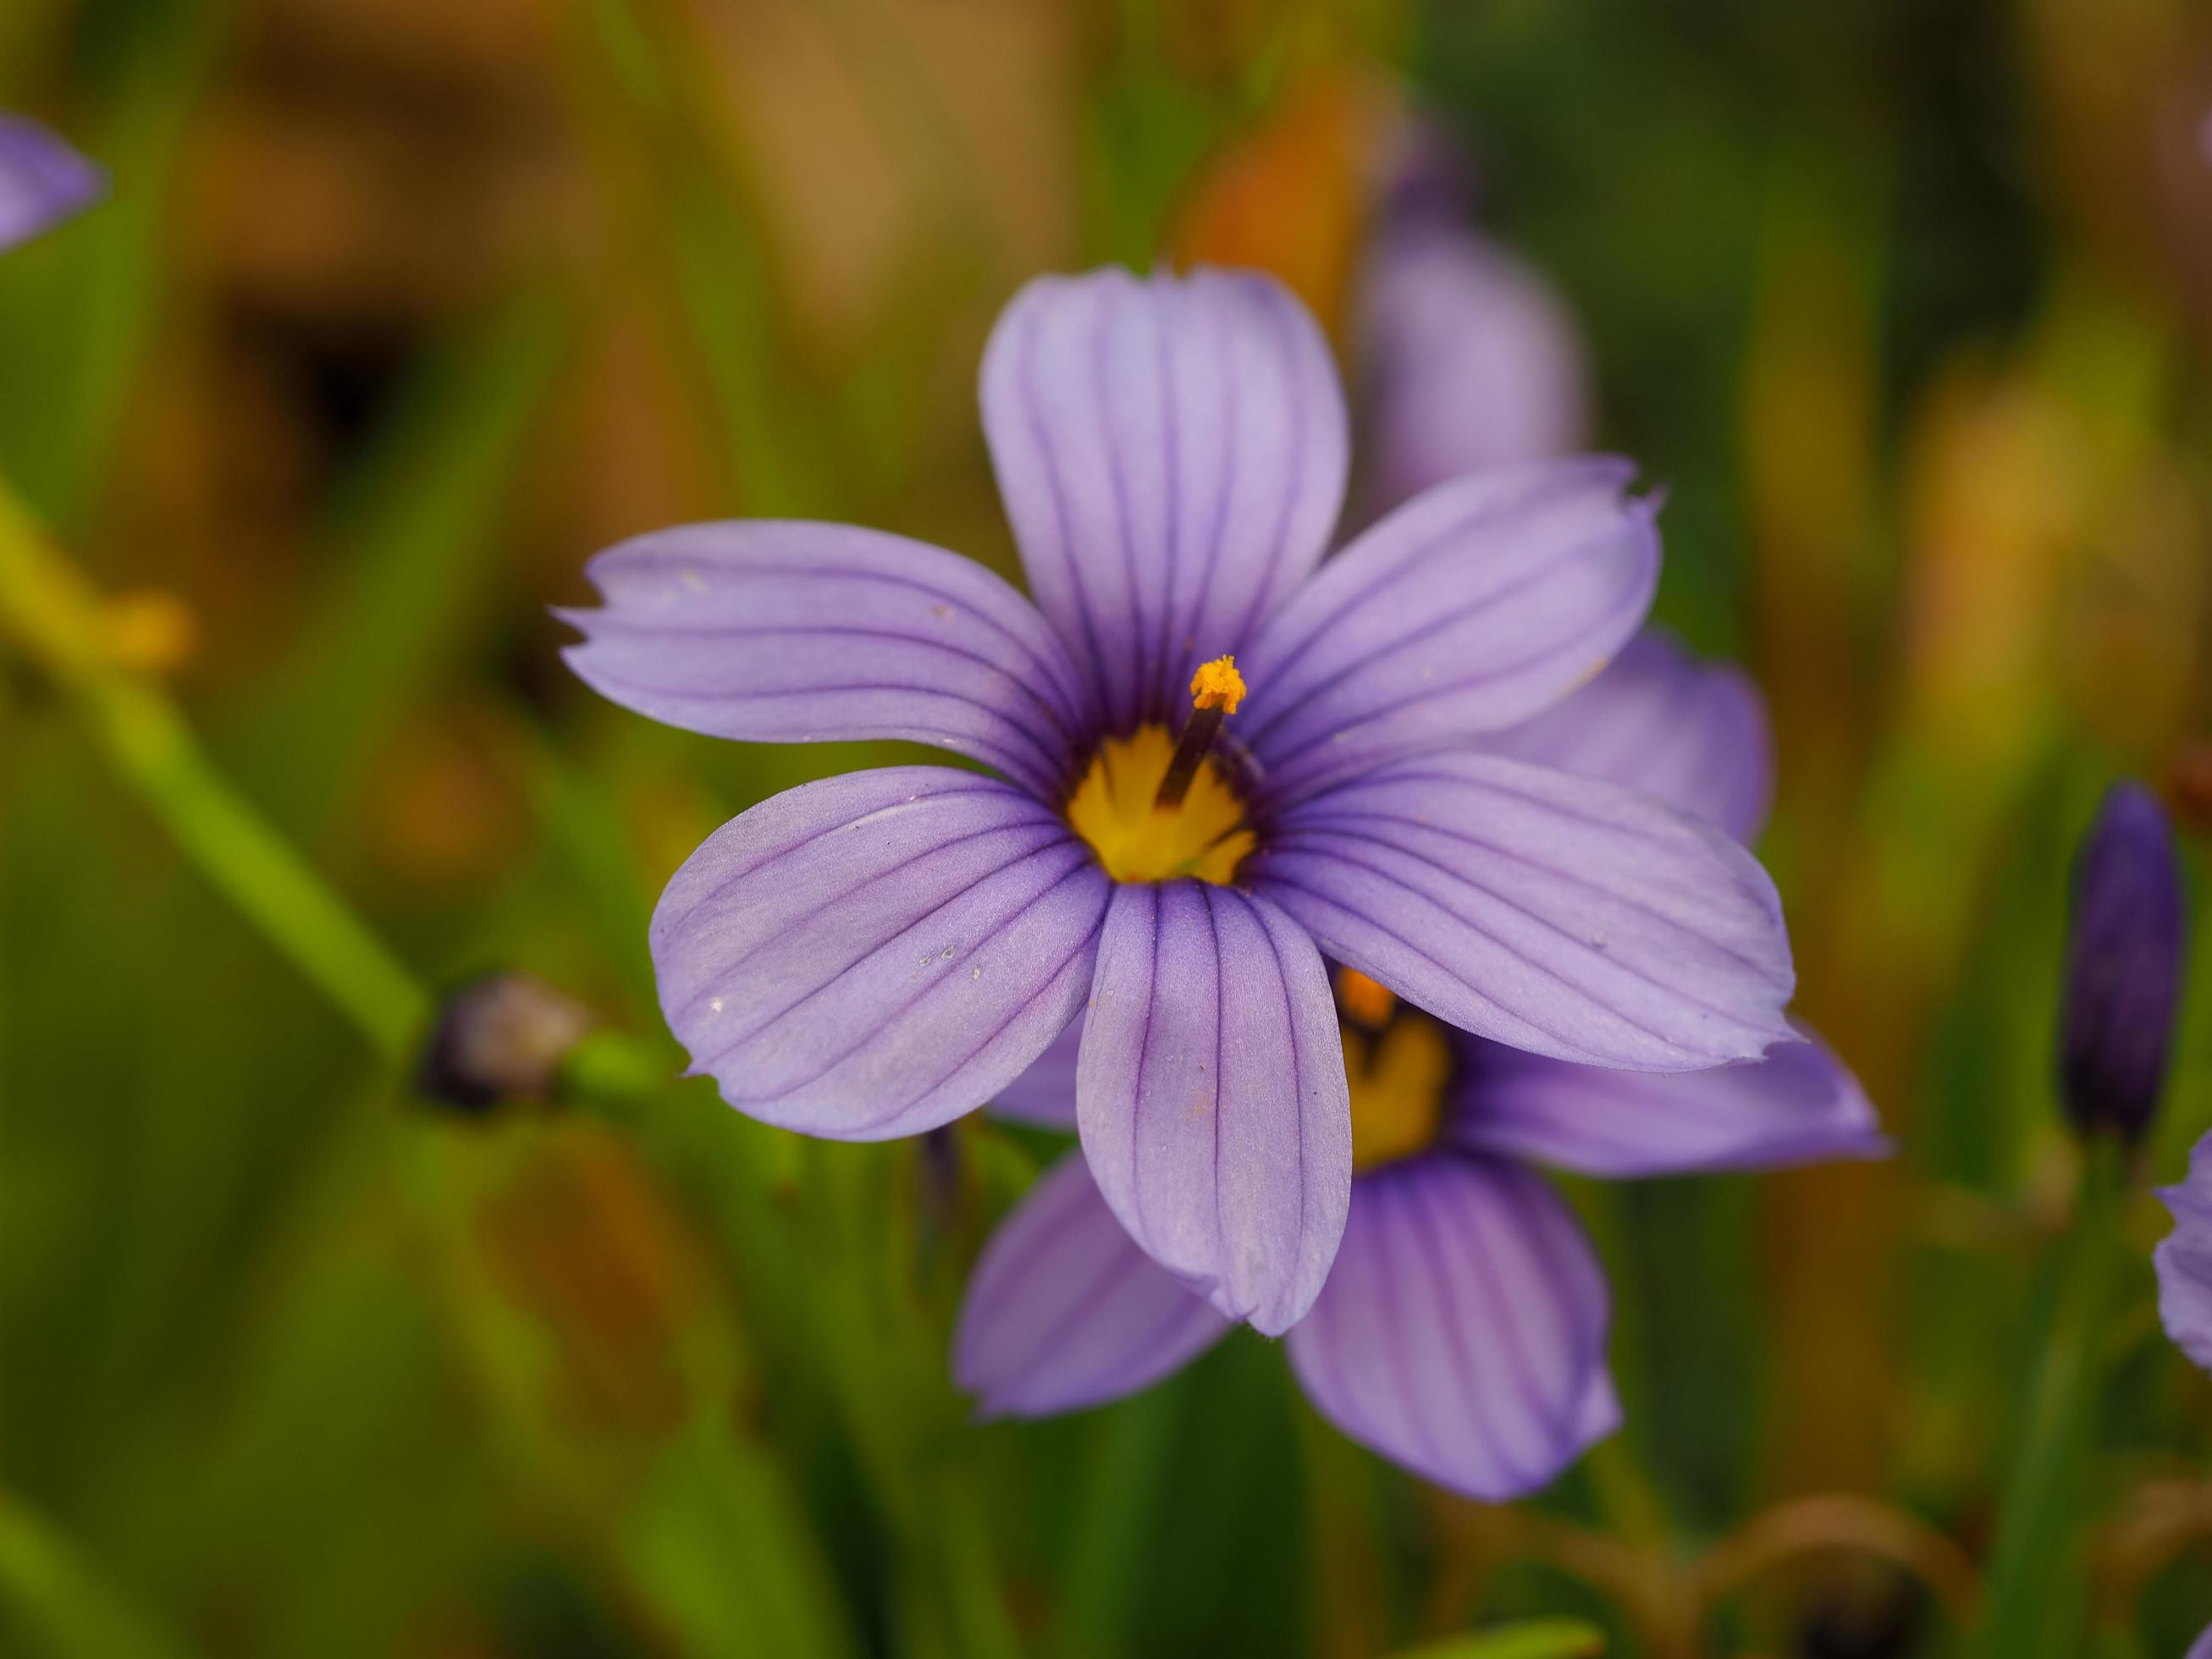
(2122, 966)
(2184, 1260)
(1469, 360)
(1462, 1331)
(42, 181)
(1171, 844)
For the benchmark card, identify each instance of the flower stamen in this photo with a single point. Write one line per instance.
(1215, 691)
(1157, 808)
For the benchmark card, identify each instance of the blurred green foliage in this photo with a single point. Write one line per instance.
(398, 312)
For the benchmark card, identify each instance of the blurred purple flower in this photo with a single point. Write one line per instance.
(2122, 966)
(42, 181)
(1469, 359)
(876, 954)
(1462, 1331)
(2184, 1260)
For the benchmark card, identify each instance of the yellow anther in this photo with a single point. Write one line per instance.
(1362, 999)
(1218, 686)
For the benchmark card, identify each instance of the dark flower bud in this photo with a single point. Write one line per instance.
(502, 1037)
(2122, 966)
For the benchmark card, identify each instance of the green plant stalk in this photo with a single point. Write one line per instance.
(61, 1604)
(1132, 1483)
(54, 616)
(2037, 1579)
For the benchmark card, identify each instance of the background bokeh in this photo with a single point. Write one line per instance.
(399, 309)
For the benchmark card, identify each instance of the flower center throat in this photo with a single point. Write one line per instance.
(1154, 807)
(1399, 1063)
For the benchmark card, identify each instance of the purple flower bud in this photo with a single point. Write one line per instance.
(2122, 966)
(501, 1038)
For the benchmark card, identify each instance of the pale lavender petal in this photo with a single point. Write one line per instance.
(1799, 1105)
(1065, 1312)
(1660, 722)
(1044, 1095)
(781, 632)
(1464, 612)
(1212, 1098)
(42, 181)
(1462, 1331)
(1172, 454)
(2201, 1647)
(1551, 913)
(1469, 361)
(2185, 1259)
(875, 954)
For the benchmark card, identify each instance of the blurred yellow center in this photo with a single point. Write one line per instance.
(1398, 1069)
(1114, 809)
(1364, 999)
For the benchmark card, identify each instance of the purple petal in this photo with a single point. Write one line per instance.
(781, 632)
(2201, 1647)
(1471, 362)
(1064, 1310)
(1467, 611)
(1661, 723)
(1044, 1095)
(2185, 1259)
(1463, 1332)
(1172, 455)
(1211, 1095)
(42, 181)
(1550, 913)
(1799, 1105)
(874, 955)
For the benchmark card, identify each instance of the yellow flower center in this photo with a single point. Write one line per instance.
(1398, 1066)
(1115, 809)
(1153, 807)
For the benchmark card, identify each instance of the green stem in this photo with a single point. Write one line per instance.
(1629, 1504)
(2037, 1579)
(55, 616)
(1131, 1484)
(53, 1601)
